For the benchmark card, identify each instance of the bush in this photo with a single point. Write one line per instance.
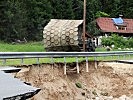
(118, 41)
(130, 42)
(101, 14)
(107, 41)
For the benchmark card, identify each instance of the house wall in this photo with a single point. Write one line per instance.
(98, 41)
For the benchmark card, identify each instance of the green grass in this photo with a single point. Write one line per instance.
(102, 49)
(26, 47)
(30, 61)
(38, 47)
(31, 47)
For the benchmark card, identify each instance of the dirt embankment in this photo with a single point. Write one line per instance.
(110, 81)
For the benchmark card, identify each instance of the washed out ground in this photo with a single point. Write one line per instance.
(110, 81)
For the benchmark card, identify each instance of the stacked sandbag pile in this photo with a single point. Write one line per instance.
(61, 35)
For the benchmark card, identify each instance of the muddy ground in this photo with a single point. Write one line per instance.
(110, 81)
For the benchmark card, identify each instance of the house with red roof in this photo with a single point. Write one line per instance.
(120, 26)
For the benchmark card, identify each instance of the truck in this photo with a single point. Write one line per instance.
(66, 35)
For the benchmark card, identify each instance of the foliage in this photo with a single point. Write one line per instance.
(101, 14)
(107, 41)
(12, 20)
(92, 28)
(26, 18)
(130, 42)
(118, 41)
(39, 12)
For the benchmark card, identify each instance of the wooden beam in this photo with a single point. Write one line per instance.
(84, 24)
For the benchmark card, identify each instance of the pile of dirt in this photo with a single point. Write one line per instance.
(110, 81)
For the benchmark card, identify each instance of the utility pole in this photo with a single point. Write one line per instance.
(84, 24)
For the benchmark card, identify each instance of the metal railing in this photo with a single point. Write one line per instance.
(20, 55)
(23, 55)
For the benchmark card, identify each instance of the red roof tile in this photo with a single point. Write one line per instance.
(107, 25)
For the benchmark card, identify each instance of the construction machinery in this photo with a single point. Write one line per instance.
(66, 35)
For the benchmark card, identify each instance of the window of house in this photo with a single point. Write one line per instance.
(121, 27)
(119, 23)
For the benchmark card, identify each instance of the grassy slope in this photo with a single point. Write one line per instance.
(28, 47)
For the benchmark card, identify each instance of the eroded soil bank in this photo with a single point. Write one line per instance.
(110, 81)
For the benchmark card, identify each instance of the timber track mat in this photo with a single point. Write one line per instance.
(110, 81)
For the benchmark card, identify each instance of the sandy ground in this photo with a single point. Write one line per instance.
(110, 81)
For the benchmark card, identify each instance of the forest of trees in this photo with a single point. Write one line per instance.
(26, 18)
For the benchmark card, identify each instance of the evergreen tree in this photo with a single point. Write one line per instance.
(26, 18)
(38, 13)
(62, 9)
(12, 20)
(77, 7)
